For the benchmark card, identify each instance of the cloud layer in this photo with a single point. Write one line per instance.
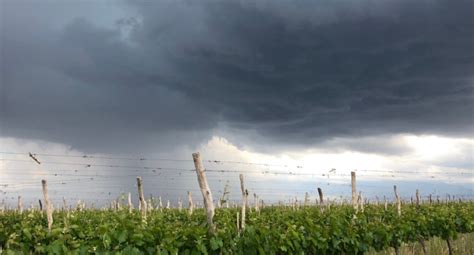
(267, 72)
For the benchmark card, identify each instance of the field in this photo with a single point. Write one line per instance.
(335, 229)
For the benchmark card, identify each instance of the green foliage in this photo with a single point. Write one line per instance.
(273, 230)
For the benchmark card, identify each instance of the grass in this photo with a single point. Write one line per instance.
(463, 245)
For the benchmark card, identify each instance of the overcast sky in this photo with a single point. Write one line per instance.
(311, 84)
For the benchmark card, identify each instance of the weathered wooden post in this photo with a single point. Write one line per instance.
(417, 197)
(321, 198)
(354, 190)
(130, 204)
(255, 200)
(397, 198)
(49, 212)
(225, 194)
(205, 190)
(244, 200)
(190, 203)
(361, 201)
(399, 212)
(141, 197)
(20, 205)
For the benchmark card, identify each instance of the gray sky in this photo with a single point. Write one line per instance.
(272, 78)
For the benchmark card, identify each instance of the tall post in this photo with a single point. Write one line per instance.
(244, 200)
(205, 190)
(49, 212)
(255, 200)
(20, 205)
(397, 198)
(141, 197)
(321, 198)
(225, 195)
(130, 204)
(190, 202)
(417, 197)
(354, 190)
(361, 201)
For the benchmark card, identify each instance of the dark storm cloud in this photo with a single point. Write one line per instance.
(295, 73)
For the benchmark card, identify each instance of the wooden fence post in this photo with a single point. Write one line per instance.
(397, 198)
(141, 197)
(361, 201)
(417, 197)
(306, 199)
(321, 198)
(190, 203)
(354, 190)
(255, 199)
(205, 190)
(130, 204)
(20, 205)
(40, 205)
(225, 195)
(49, 213)
(244, 200)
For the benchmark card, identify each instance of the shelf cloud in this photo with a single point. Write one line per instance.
(301, 73)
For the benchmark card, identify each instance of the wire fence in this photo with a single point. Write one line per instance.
(101, 178)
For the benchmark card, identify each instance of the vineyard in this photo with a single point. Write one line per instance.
(358, 226)
(271, 230)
